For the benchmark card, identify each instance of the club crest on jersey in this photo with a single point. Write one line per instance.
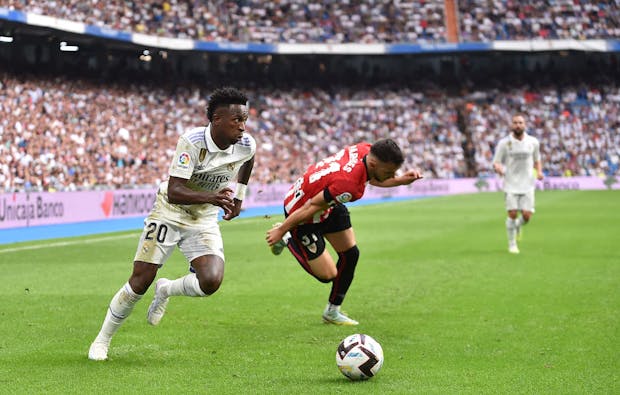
(230, 166)
(184, 160)
(312, 248)
(344, 197)
(203, 153)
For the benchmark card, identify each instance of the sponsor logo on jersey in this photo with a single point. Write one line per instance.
(344, 197)
(184, 160)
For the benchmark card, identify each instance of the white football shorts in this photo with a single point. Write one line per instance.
(159, 237)
(519, 201)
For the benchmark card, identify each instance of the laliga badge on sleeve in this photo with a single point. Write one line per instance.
(184, 160)
(344, 197)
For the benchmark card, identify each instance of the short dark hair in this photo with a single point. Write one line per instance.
(224, 97)
(520, 114)
(387, 151)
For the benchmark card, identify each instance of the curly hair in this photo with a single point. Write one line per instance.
(224, 97)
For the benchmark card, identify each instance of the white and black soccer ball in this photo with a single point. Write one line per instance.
(359, 357)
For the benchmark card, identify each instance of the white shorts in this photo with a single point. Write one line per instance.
(163, 230)
(519, 201)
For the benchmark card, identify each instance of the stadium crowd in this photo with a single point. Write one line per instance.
(482, 20)
(338, 21)
(292, 21)
(68, 135)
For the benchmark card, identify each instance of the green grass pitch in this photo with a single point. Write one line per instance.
(435, 285)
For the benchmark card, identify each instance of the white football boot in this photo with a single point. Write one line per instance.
(513, 249)
(337, 318)
(157, 309)
(98, 351)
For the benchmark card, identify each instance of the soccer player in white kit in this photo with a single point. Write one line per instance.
(516, 155)
(185, 214)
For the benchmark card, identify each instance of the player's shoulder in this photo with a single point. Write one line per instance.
(247, 142)
(504, 140)
(531, 138)
(361, 148)
(196, 136)
(357, 174)
(352, 183)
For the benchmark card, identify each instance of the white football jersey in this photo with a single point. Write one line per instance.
(518, 157)
(206, 167)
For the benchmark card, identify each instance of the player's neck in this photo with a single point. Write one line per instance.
(221, 143)
(366, 166)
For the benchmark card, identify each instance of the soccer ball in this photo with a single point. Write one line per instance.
(359, 357)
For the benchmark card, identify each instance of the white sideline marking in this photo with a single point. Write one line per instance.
(65, 243)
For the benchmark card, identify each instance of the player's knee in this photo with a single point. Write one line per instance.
(348, 258)
(210, 273)
(327, 275)
(210, 285)
(142, 276)
(209, 280)
(352, 255)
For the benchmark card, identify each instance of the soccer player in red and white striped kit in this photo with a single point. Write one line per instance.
(314, 209)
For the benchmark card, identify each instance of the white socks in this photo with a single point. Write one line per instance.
(184, 286)
(332, 307)
(511, 231)
(120, 307)
(125, 299)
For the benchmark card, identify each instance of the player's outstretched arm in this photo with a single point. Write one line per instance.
(404, 179)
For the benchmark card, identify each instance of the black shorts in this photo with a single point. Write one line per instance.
(309, 237)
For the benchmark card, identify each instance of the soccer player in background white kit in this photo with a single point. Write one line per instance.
(516, 155)
(185, 214)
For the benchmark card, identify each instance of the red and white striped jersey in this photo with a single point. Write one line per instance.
(343, 176)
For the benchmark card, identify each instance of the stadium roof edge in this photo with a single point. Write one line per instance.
(308, 48)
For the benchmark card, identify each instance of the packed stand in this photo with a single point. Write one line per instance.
(61, 135)
(483, 20)
(339, 21)
(284, 21)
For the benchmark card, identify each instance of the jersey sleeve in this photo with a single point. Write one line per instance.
(250, 142)
(343, 190)
(500, 152)
(536, 155)
(184, 160)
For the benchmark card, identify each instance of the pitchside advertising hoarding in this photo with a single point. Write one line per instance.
(47, 208)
